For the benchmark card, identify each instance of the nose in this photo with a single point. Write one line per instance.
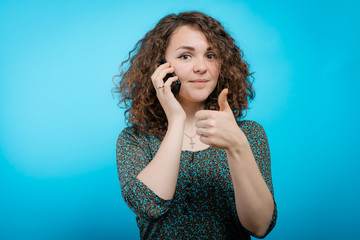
(200, 66)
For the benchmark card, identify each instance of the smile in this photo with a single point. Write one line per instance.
(199, 81)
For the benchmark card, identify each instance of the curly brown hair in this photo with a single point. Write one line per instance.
(137, 94)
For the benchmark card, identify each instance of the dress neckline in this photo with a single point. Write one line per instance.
(197, 151)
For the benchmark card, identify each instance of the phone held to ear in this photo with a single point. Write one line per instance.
(175, 86)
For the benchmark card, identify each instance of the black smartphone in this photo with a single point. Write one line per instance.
(175, 86)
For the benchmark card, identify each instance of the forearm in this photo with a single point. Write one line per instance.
(161, 174)
(254, 202)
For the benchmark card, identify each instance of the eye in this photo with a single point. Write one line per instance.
(210, 56)
(184, 56)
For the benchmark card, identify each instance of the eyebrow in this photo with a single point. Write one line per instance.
(191, 48)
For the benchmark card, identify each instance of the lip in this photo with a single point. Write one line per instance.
(199, 81)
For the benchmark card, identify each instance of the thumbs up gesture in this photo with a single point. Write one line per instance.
(219, 128)
(223, 103)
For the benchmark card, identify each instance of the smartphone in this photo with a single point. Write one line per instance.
(175, 86)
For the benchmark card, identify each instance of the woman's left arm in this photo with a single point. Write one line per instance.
(254, 202)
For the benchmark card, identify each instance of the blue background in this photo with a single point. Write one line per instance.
(59, 122)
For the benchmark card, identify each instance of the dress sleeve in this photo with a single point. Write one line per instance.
(131, 159)
(260, 148)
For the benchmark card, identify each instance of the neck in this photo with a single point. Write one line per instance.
(190, 110)
(192, 141)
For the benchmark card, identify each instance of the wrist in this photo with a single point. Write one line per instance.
(177, 121)
(239, 146)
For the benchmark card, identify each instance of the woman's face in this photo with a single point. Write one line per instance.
(195, 64)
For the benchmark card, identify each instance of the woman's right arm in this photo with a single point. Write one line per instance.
(161, 174)
(133, 155)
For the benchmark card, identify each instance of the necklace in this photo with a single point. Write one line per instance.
(192, 143)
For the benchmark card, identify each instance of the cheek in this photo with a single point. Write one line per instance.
(213, 86)
(216, 71)
(182, 71)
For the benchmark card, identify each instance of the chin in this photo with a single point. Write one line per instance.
(195, 98)
(194, 95)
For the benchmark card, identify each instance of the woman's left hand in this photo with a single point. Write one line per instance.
(219, 129)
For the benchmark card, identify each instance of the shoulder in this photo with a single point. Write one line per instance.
(250, 125)
(257, 138)
(128, 131)
(252, 129)
(131, 135)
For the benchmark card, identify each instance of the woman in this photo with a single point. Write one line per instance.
(188, 167)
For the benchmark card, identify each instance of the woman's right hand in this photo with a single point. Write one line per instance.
(171, 106)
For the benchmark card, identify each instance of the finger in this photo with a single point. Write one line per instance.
(206, 123)
(163, 66)
(158, 76)
(222, 100)
(159, 68)
(165, 71)
(168, 83)
(165, 63)
(171, 80)
(205, 140)
(201, 132)
(204, 114)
